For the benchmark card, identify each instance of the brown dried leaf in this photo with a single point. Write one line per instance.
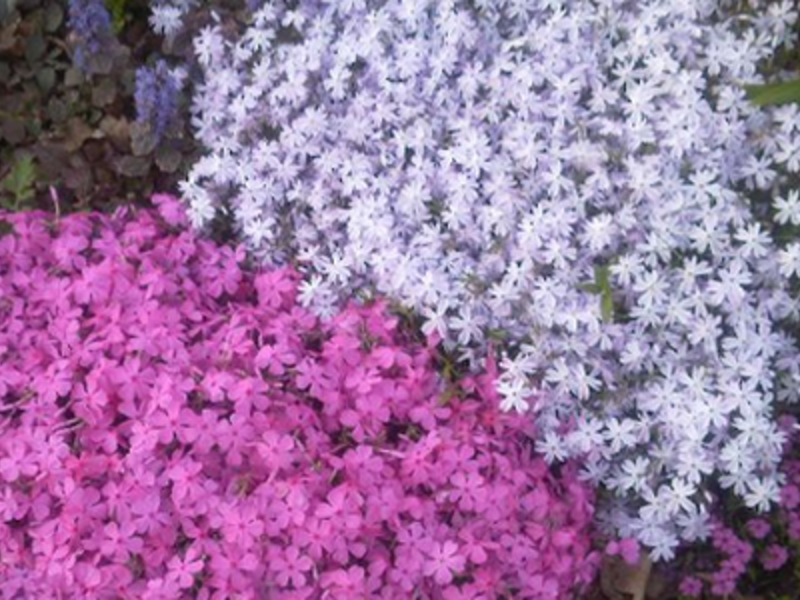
(53, 160)
(79, 176)
(132, 166)
(143, 141)
(118, 131)
(104, 93)
(168, 159)
(13, 131)
(8, 35)
(621, 581)
(76, 133)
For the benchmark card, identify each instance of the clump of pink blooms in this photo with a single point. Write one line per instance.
(175, 425)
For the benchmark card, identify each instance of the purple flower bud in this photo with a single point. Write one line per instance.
(91, 24)
(157, 95)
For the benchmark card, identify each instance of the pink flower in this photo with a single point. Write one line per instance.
(291, 567)
(345, 584)
(119, 542)
(16, 461)
(626, 548)
(759, 528)
(171, 210)
(692, 587)
(143, 454)
(443, 560)
(183, 571)
(774, 557)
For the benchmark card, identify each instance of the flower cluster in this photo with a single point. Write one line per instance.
(157, 98)
(572, 177)
(173, 425)
(90, 22)
(167, 17)
(742, 554)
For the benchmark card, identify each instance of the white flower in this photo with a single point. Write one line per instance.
(788, 209)
(166, 19)
(789, 260)
(620, 433)
(515, 395)
(551, 447)
(634, 475)
(762, 493)
(695, 524)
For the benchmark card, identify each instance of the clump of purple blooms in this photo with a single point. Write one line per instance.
(157, 97)
(571, 178)
(174, 425)
(745, 550)
(90, 22)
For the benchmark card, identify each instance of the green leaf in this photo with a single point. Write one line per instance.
(607, 307)
(20, 181)
(602, 286)
(774, 93)
(119, 13)
(591, 288)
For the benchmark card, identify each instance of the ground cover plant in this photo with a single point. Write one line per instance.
(173, 424)
(600, 196)
(573, 180)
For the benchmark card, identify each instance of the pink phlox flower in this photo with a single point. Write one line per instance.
(276, 289)
(345, 584)
(277, 517)
(314, 537)
(313, 376)
(790, 496)
(147, 512)
(88, 576)
(183, 571)
(427, 415)
(162, 588)
(234, 437)
(758, 528)
(362, 379)
(240, 525)
(774, 557)
(68, 249)
(120, 541)
(91, 398)
(464, 592)
(17, 460)
(55, 382)
(94, 284)
(385, 505)
(469, 491)
(276, 450)
(171, 210)
(416, 465)
(275, 358)
(339, 501)
(343, 351)
(542, 587)
(443, 560)
(12, 506)
(290, 567)
(691, 587)
(627, 549)
(474, 549)
(165, 422)
(183, 475)
(216, 384)
(247, 393)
